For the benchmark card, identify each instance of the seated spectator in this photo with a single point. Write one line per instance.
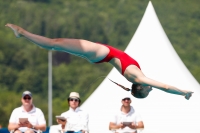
(27, 118)
(76, 119)
(127, 120)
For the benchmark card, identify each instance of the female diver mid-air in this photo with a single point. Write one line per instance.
(98, 53)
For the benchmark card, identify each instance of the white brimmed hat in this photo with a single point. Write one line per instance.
(26, 93)
(74, 95)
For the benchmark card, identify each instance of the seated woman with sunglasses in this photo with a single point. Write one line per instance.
(98, 53)
(75, 120)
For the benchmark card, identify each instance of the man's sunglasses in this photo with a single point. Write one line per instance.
(74, 99)
(29, 98)
(128, 99)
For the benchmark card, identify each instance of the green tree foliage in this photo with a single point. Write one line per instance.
(24, 66)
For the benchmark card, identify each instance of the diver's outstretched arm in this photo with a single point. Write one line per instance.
(164, 87)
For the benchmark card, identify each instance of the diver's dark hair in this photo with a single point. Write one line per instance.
(136, 91)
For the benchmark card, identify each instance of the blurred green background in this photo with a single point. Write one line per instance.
(24, 66)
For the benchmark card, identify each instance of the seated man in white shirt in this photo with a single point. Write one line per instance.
(127, 120)
(27, 118)
(76, 119)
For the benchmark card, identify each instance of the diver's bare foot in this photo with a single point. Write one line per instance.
(188, 95)
(16, 29)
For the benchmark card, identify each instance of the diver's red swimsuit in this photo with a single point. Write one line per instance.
(125, 59)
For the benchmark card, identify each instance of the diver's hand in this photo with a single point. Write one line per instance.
(188, 95)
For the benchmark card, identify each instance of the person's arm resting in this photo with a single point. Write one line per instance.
(85, 121)
(41, 122)
(140, 125)
(113, 126)
(13, 126)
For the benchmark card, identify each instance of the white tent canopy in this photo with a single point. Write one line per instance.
(161, 112)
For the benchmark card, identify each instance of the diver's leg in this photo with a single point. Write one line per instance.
(90, 50)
